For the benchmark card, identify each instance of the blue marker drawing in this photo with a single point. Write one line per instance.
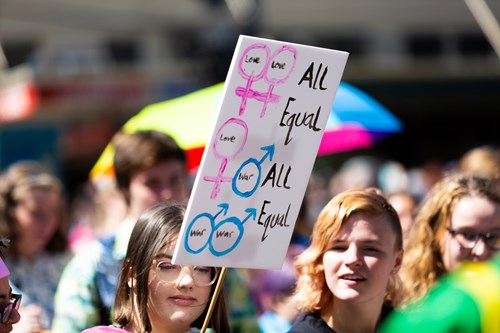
(199, 231)
(221, 238)
(225, 233)
(251, 161)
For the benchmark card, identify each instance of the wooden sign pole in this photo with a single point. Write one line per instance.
(215, 295)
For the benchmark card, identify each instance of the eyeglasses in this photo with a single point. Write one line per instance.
(469, 239)
(202, 276)
(6, 309)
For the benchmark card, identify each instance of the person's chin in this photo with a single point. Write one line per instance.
(347, 294)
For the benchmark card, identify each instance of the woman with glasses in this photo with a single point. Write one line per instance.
(156, 296)
(458, 221)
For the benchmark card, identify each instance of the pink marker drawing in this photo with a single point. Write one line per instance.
(252, 67)
(255, 64)
(280, 67)
(230, 140)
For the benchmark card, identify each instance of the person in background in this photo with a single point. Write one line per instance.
(273, 289)
(405, 205)
(9, 301)
(154, 295)
(33, 216)
(348, 275)
(466, 300)
(96, 211)
(483, 161)
(149, 167)
(458, 221)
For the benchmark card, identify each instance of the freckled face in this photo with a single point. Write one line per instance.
(175, 305)
(361, 259)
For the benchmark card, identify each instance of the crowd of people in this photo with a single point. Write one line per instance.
(376, 248)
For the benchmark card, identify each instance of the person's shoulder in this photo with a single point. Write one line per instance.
(86, 260)
(105, 329)
(310, 322)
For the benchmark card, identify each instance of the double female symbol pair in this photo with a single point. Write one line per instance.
(257, 63)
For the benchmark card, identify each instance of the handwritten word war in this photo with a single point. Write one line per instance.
(244, 176)
(223, 233)
(197, 233)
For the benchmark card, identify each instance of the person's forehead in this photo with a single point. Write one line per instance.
(163, 168)
(476, 212)
(168, 246)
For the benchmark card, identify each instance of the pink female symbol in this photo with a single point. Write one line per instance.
(230, 140)
(252, 67)
(280, 67)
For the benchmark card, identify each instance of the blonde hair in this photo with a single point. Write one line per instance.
(312, 293)
(482, 161)
(423, 263)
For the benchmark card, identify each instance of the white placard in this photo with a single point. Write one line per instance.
(258, 160)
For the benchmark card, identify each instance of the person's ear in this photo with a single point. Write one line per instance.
(398, 262)
(130, 274)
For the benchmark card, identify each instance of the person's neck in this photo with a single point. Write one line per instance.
(27, 255)
(169, 329)
(349, 317)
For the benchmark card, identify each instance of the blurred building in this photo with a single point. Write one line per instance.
(96, 63)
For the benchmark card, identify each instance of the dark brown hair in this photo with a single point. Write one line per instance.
(159, 224)
(141, 150)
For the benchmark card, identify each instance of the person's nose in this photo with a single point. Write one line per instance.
(166, 194)
(352, 257)
(480, 250)
(185, 280)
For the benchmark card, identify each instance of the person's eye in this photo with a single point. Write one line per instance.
(372, 249)
(469, 236)
(152, 183)
(166, 266)
(338, 247)
(203, 269)
(176, 181)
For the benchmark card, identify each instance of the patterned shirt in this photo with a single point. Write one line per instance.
(77, 302)
(37, 280)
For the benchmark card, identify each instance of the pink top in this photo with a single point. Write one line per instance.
(105, 329)
(4, 271)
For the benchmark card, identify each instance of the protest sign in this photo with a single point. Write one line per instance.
(256, 165)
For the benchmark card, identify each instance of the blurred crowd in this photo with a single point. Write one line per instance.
(65, 258)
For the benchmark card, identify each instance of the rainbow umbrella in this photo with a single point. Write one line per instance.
(187, 119)
(356, 121)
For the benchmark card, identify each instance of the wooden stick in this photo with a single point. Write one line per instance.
(215, 295)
